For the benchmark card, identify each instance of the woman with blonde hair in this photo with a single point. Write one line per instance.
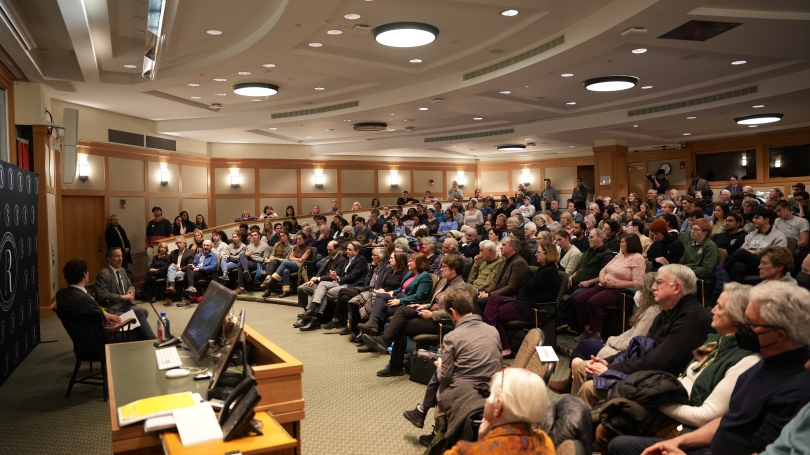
(673, 195)
(196, 245)
(157, 269)
(356, 205)
(567, 222)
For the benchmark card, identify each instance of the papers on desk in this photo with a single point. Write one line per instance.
(197, 424)
(547, 354)
(130, 314)
(140, 410)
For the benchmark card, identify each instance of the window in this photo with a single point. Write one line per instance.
(721, 166)
(793, 161)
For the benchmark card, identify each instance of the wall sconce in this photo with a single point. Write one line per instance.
(235, 178)
(461, 179)
(777, 163)
(84, 171)
(164, 177)
(744, 160)
(526, 178)
(319, 178)
(394, 179)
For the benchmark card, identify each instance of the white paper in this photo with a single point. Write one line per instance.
(130, 314)
(158, 423)
(547, 354)
(197, 424)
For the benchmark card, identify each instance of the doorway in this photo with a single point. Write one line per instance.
(586, 173)
(637, 180)
(83, 233)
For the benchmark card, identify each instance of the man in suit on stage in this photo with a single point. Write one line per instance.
(114, 287)
(75, 298)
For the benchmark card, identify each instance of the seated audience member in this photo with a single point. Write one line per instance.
(719, 214)
(446, 226)
(567, 222)
(270, 232)
(792, 226)
(333, 260)
(485, 265)
(203, 266)
(450, 246)
(256, 252)
(571, 207)
(570, 253)
(749, 208)
(674, 333)
(429, 249)
(180, 258)
(470, 354)
(428, 197)
(530, 229)
(406, 199)
(469, 244)
(292, 263)
(246, 216)
(767, 396)
(637, 228)
(640, 324)
(745, 260)
(700, 254)
(626, 270)
(189, 225)
(231, 260)
(495, 235)
(537, 287)
(178, 227)
(473, 217)
(199, 222)
(277, 254)
(708, 197)
(509, 275)
(196, 241)
(345, 238)
(667, 207)
(417, 319)
(454, 192)
(113, 286)
(517, 401)
(526, 209)
(157, 269)
(736, 202)
(697, 185)
(74, 299)
(732, 236)
(268, 212)
(801, 199)
(486, 209)
(432, 222)
(775, 264)
(612, 231)
(590, 264)
(580, 237)
(353, 274)
(667, 247)
(322, 239)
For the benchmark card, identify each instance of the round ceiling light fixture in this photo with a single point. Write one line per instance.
(244, 73)
(639, 50)
(610, 83)
(511, 148)
(405, 34)
(130, 66)
(567, 75)
(315, 44)
(352, 16)
(758, 119)
(214, 32)
(739, 62)
(255, 89)
(509, 12)
(269, 65)
(334, 32)
(370, 126)
(415, 60)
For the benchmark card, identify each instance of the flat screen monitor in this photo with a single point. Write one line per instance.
(206, 322)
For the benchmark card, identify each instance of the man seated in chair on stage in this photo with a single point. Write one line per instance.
(113, 287)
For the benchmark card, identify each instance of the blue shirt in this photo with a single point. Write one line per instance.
(447, 226)
(439, 216)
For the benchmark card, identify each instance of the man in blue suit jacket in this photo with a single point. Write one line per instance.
(353, 274)
(205, 263)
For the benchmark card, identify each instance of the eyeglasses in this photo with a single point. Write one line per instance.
(751, 325)
(659, 282)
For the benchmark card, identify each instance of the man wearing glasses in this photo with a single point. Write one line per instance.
(767, 396)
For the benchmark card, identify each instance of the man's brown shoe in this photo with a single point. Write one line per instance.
(239, 291)
(561, 387)
(167, 302)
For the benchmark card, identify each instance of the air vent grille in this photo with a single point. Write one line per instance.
(458, 137)
(545, 47)
(317, 110)
(693, 102)
(140, 140)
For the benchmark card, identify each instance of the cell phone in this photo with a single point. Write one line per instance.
(203, 376)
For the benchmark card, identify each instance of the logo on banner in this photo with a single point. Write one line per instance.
(11, 179)
(2, 179)
(2, 332)
(28, 183)
(33, 214)
(16, 215)
(25, 215)
(36, 185)
(7, 215)
(19, 182)
(8, 271)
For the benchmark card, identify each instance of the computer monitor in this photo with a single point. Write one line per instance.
(206, 322)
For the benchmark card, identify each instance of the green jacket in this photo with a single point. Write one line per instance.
(701, 258)
(614, 244)
(590, 265)
(483, 274)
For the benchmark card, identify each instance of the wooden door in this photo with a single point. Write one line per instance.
(83, 227)
(637, 181)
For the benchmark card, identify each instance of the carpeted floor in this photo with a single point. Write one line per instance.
(349, 410)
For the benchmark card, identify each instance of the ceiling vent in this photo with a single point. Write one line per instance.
(317, 110)
(458, 137)
(693, 102)
(545, 47)
(410, 128)
(699, 30)
(140, 140)
(370, 126)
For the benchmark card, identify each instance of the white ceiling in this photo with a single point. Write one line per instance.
(82, 47)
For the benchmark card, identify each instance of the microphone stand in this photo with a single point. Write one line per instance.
(173, 341)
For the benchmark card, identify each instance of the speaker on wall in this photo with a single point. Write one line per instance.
(69, 158)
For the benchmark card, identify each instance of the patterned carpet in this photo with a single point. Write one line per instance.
(349, 410)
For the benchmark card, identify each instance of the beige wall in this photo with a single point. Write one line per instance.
(324, 202)
(95, 180)
(421, 183)
(562, 178)
(387, 200)
(535, 180)
(247, 182)
(677, 176)
(384, 182)
(229, 209)
(278, 181)
(133, 220)
(196, 206)
(125, 175)
(280, 204)
(195, 179)
(469, 186)
(51, 248)
(495, 182)
(154, 169)
(308, 182)
(356, 181)
(170, 206)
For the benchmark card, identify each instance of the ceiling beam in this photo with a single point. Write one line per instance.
(78, 27)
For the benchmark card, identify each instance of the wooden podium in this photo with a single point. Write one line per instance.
(132, 374)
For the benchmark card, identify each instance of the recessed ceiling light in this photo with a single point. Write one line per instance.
(272, 129)
(255, 89)
(193, 85)
(334, 32)
(220, 79)
(315, 44)
(646, 87)
(415, 60)
(255, 100)
(758, 106)
(509, 13)
(635, 126)
(478, 118)
(392, 114)
(610, 83)
(269, 65)
(405, 34)
(571, 103)
(752, 126)
(220, 94)
(130, 66)
(691, 118)
(244, 73)
(352, 16)
(572, 145)
(196, 97)
(687, 134)
(566, 74)
(214, 32)
(505, 92)
(640, 50)
(758, 119)
(423, 108)
(320, 88)
(527, 139)
(453, 146)
(739, 62)
(391, 129)
(309, 137)
(511, 147)
(347, 120)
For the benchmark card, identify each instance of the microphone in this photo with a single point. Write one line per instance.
(173, 341)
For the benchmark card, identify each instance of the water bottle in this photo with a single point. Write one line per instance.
(160, 328)
(168, 333)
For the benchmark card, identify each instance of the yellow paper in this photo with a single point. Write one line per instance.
(147, 408)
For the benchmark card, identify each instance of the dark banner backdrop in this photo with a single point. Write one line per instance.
(19, 299)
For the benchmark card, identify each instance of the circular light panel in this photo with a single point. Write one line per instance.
(610, 83)
(220, 79)
(478, 118)
(567, 75)
(571, 103)
(244, 73)
(315, 44)
(509, 13)
(405, 34)
(423, 108)
(352, 16)
(214, 32)
(334, 32)
(640, 50)
(255, 89)
(415, 60)
(193, 85)
(739, 62)
(269, 65)
(758, 106)
(758, 119)
(505, 92)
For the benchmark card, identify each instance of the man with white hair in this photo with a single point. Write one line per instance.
(469, 246)
(449, 246)
(485, 265)
(681, 327)
(204, 263)
(530, 229)
(555, 211)
(593, 210)
(768, 395)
